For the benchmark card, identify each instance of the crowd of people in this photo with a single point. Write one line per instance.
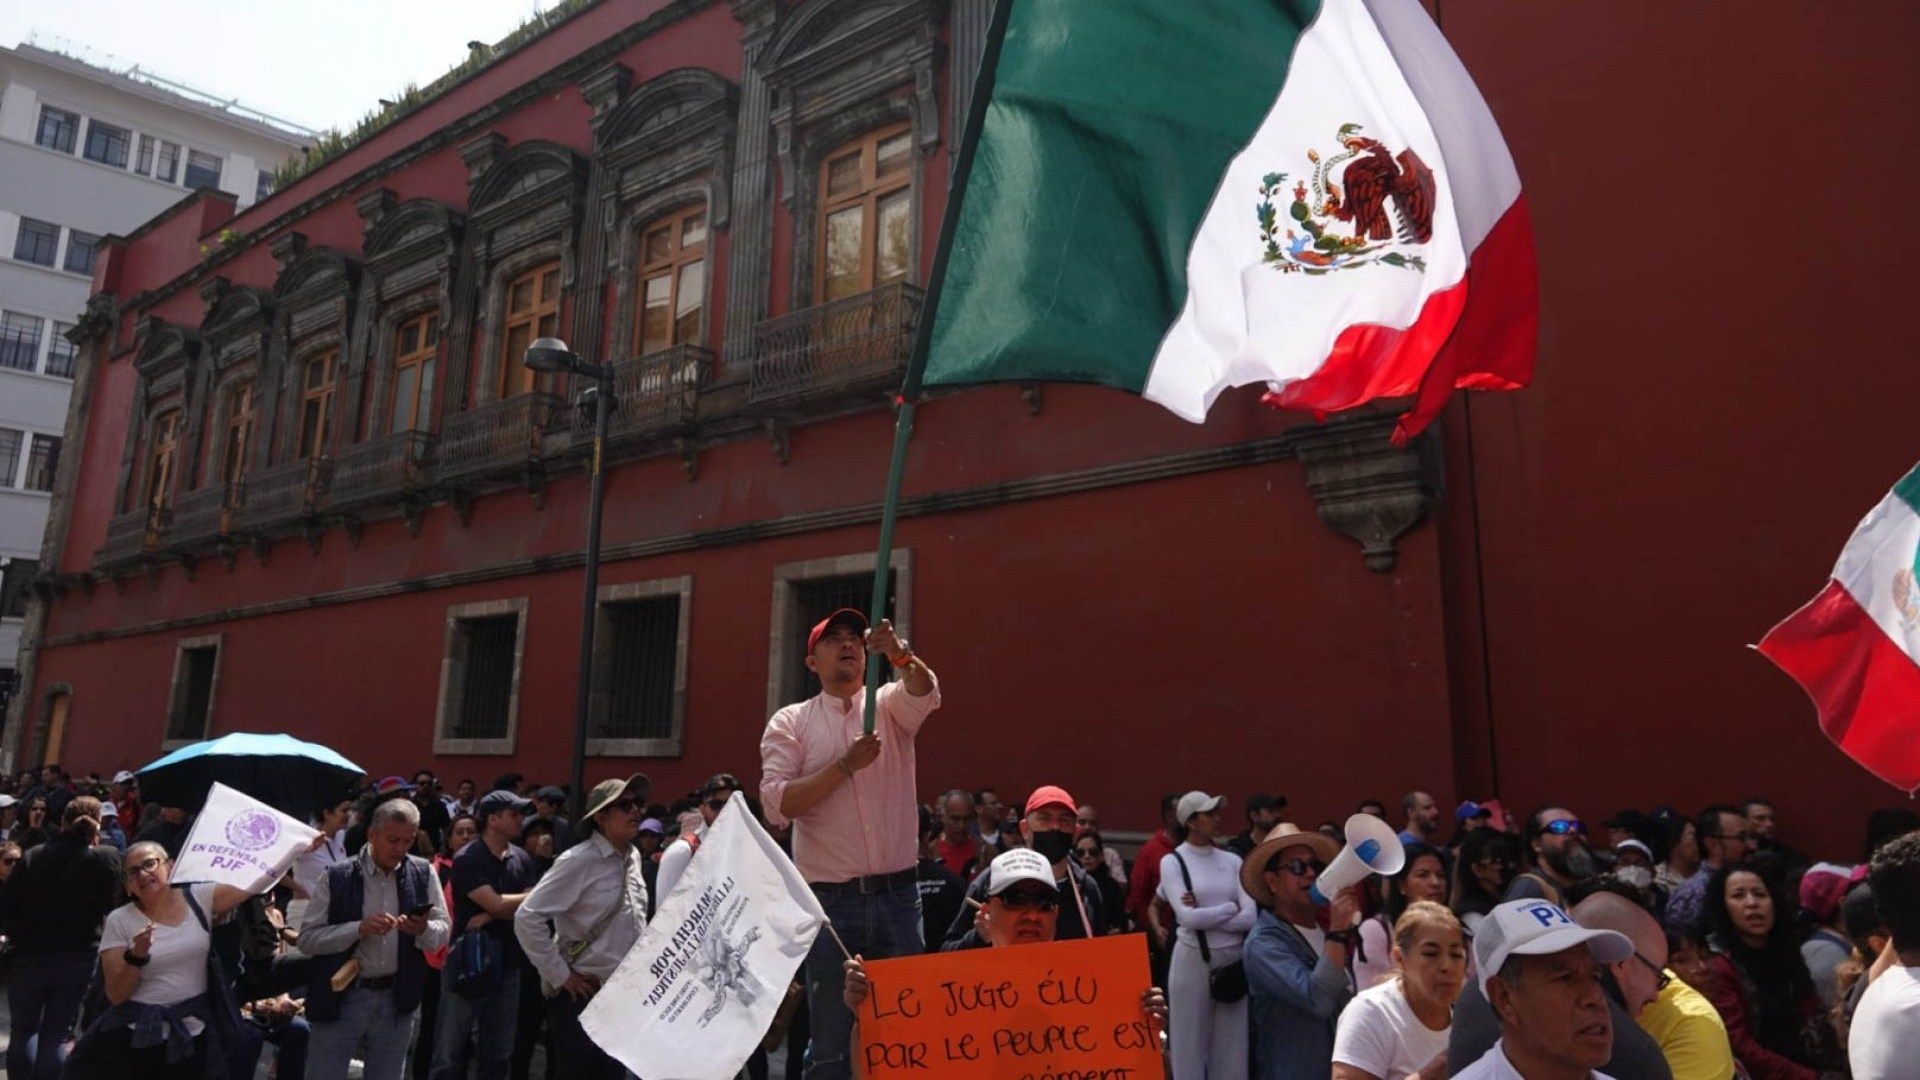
(454, 932)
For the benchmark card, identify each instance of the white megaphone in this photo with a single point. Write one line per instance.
(1372, 848)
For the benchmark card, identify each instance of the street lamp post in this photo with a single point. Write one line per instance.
(551, 356)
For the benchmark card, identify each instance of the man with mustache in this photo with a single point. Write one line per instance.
(1540, 970)
(1561, 858)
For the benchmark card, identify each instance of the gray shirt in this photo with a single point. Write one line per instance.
(380, 954)
(594, 894)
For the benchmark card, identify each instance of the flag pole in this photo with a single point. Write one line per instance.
(923, 334)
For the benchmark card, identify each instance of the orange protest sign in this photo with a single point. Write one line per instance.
(1068, 1010)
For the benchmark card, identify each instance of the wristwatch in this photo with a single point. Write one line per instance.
(1340, 937)
(136, 961)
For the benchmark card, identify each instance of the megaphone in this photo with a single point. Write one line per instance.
(1372, 848)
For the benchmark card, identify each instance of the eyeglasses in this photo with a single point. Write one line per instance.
(1300, 867)
(1087, 852)
(1565, 826)
(145, 866)
(1019, 900)
(1661, 978)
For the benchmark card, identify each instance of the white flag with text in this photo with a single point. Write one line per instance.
(699, 990)
(239, 840)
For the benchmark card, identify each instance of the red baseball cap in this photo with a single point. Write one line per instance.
(845, 615)
(1050, 795)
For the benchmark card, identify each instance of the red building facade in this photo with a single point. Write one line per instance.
(312, 488)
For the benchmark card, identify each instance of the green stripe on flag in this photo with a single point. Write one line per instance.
(1908, 489)
(1107, 130)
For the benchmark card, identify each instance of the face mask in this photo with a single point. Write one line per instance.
(1052, 844)
(1637, 876)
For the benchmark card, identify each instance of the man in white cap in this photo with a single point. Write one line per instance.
(110, 830)
(126, 797)
(1540, 970)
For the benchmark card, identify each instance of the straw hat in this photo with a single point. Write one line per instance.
(1284, 835)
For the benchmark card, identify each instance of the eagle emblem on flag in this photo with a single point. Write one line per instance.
(1357, 207)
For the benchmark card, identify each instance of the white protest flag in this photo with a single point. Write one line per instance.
(239, 840)
(699, 990)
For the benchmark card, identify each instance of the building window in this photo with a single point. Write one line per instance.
(203, 170)
(866, 214)
(673, 281)
(11, 439)
(168, 162)
(61, 353)
(414, 345)
(480, 678)
(638, 698)
(196, 674)
(806, 592)
(143, 158)
(233, 452)
(316, 404)
(42, 460)
(19, 340)
(37, 242)
(58, 129)
(263, 185)
(82, 247)
(161, 455)
(14, 575)
(532, 311)
(107, 144)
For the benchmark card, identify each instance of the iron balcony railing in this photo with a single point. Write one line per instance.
(498, 437)
(204, 514)
(654, 394)
(282, 495)
(384, 467)
(133, 533)
(846, 345)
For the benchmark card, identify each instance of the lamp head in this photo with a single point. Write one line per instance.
(551, 356)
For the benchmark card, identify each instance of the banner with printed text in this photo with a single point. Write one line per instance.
(239, 840)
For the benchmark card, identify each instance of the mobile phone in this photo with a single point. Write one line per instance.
(423, 909)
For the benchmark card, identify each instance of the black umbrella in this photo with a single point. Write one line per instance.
(286, 773)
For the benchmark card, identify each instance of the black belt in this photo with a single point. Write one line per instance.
(376, 982)
(873, 883)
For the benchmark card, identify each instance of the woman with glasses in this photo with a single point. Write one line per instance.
(1481, 874)
(1758, 981)
(51, 910)
(1422, 877)
(1090, 851)
(1200, 882)
(1399, 1027)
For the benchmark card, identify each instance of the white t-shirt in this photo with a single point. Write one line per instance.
(1379, 1034)
(1493, 1065)
(1884, 1042)
(178, 968)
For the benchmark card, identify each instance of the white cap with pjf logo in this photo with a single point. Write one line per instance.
(1537, 928)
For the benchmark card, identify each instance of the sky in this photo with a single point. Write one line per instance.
(319, 65)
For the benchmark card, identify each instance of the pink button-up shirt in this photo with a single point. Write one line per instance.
(870, 823)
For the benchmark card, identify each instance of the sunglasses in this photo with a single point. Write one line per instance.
(1661, 978)
(1086, 851)
(622, 803)
(1300, 867)
(1020, 900)
(1565, 826)
(145, 866)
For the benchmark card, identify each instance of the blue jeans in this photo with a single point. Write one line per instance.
(365, 1015)
(875, 926)
(43, 999)
(494, 1016)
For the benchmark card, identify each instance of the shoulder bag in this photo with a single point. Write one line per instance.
(1227, 984)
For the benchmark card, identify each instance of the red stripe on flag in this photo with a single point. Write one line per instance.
(1480, 334)
(1866, 690)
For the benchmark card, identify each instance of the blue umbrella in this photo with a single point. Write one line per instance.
(286, 773)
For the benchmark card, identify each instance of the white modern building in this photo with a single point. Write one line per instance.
(86, 151)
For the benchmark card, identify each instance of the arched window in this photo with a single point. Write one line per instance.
(162, 452)
(316, 403)
(414, 345)
(673, 281)
(239, 434)
(866, 213)
(532, 311)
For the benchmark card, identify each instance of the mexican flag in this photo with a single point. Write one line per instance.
(1855, 648)
(1178, 198)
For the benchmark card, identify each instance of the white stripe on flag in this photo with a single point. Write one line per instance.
(1877, 570)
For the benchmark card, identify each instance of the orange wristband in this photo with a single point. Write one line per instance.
(903, 661)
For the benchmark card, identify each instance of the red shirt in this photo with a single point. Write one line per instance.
(959, 857)
(1146, 875)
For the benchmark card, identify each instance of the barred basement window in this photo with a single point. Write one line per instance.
(58, 129)
(196, 674)
(808, 591)
(638, 696)
(480, 678)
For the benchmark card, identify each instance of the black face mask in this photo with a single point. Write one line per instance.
(1052, 844)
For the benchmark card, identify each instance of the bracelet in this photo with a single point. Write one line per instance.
(136, 961)
(905, 661)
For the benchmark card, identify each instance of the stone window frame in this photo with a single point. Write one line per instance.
(783, 646)
(838, 69)
(446, 708)
(177, 690)
(236, 341)
(315, 299)
(672, 746)
(666, 145)
(411, 250)
(167, 355)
